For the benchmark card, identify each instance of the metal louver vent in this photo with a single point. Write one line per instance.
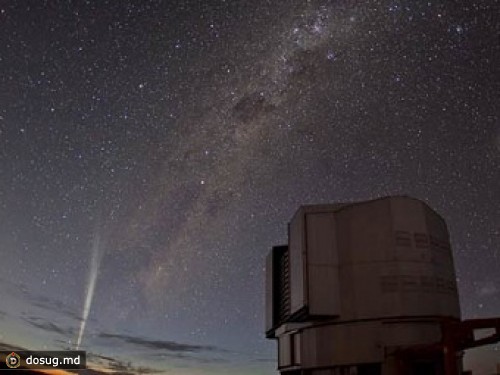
(284, 288)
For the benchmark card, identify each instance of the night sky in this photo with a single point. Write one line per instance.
(163, 146)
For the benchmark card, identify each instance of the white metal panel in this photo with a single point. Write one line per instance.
(297, 350)
(297, 263)
(322, 264)
(407, 215)
(323, 284)
(346, 344)
(397, 334)
(321, 239)
(364, 239)
(284, 351)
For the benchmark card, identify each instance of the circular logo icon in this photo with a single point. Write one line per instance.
(13, 360)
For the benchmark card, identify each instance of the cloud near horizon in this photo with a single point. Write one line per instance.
(171, 346)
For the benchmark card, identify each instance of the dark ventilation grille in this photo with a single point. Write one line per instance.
(281, 285)
(439, 245)
(421, 240)
(434, 243)
(284, 288)
(403, 238)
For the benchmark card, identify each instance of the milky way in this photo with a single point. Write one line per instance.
(189, 132)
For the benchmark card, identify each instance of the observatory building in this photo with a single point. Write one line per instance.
(368, 288)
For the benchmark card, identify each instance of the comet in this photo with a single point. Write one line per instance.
(95, 262)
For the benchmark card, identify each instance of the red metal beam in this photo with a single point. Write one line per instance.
(456, 337)
(461, 334)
